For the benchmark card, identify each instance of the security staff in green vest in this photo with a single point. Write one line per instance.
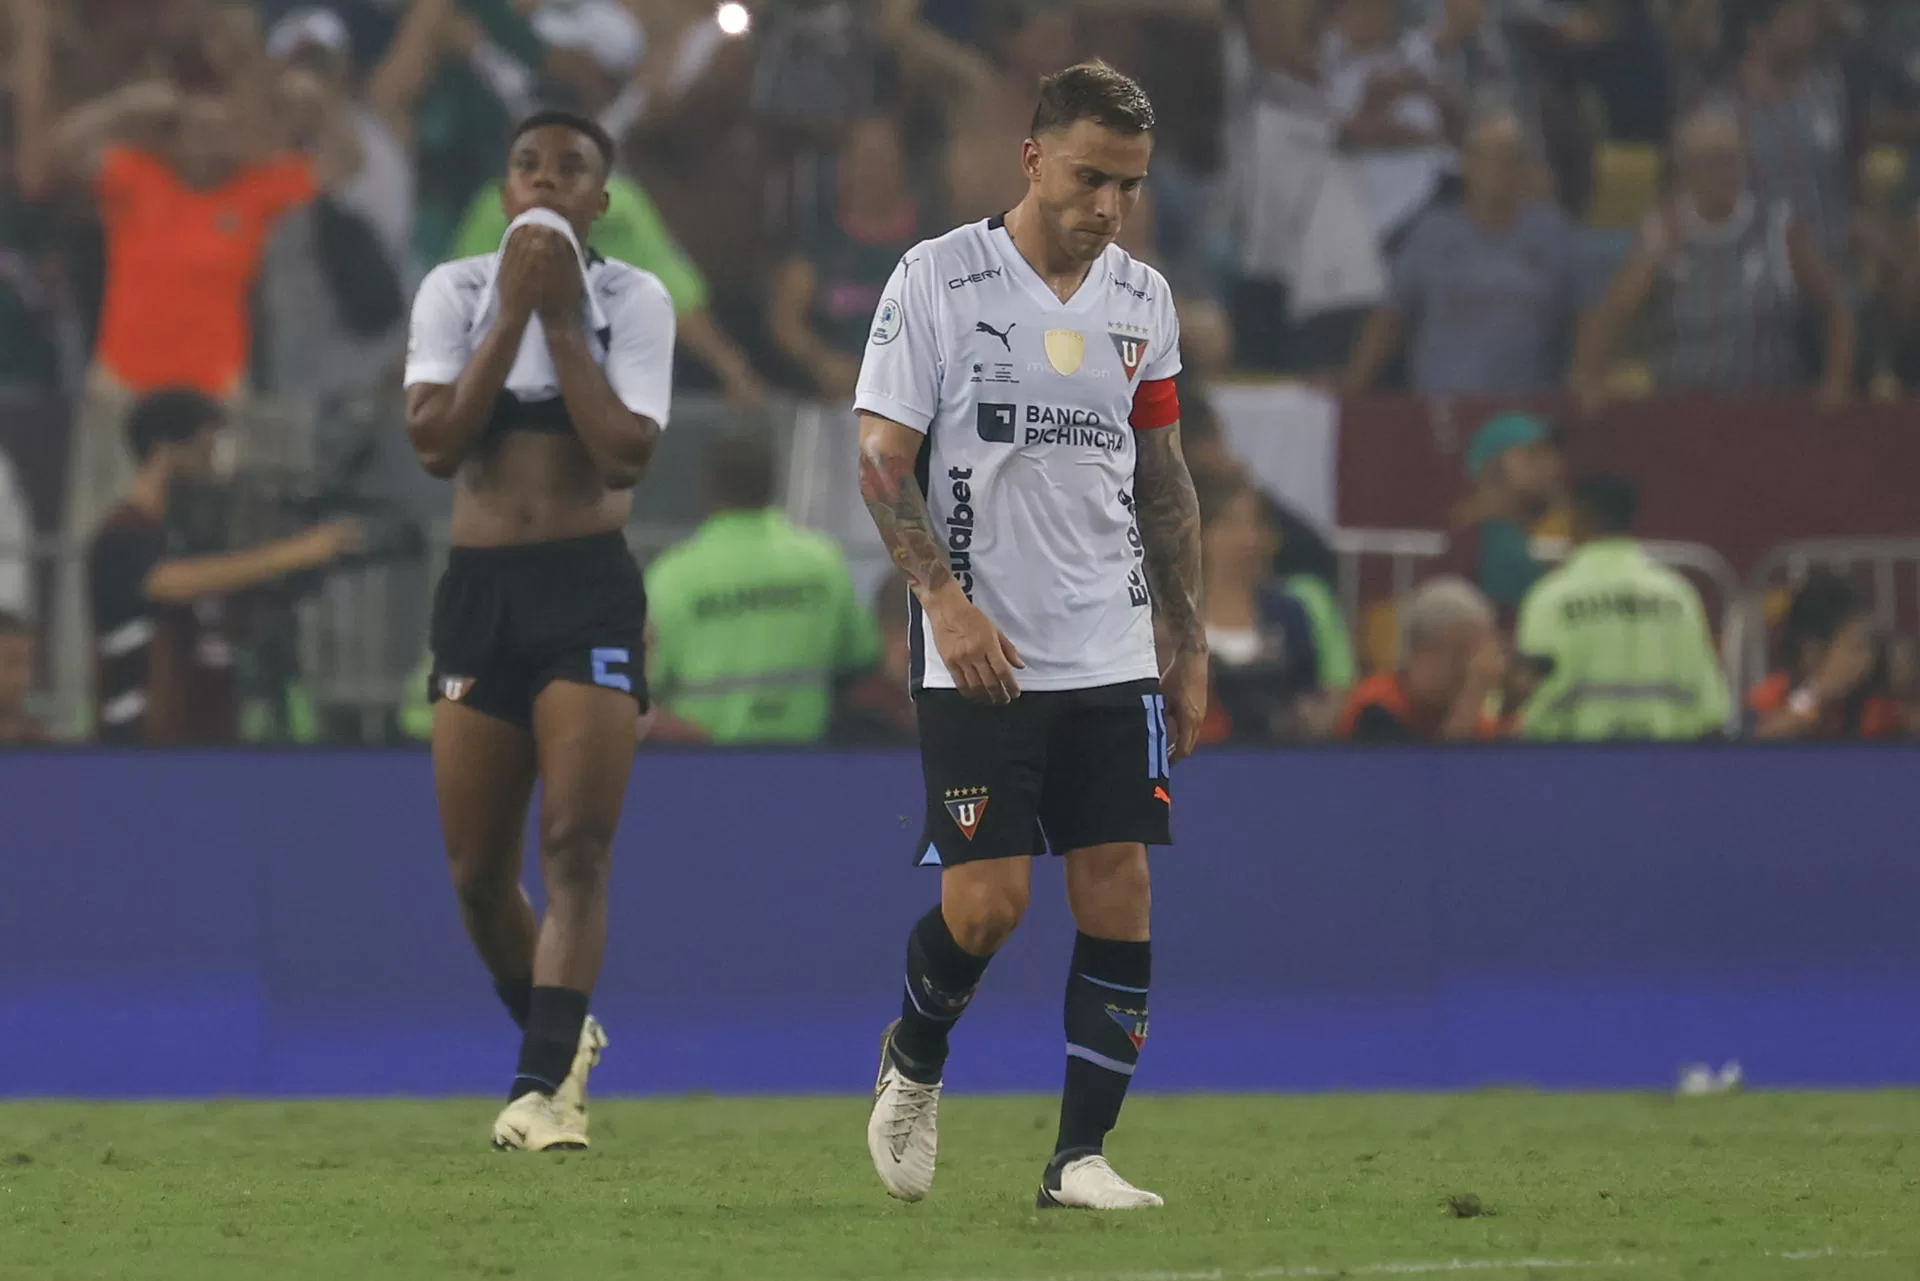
(756, 621)
(1619, 643)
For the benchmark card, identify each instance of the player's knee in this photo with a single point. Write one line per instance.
(984, 914)
(483, 881)
(575, 850)
(1111, 891)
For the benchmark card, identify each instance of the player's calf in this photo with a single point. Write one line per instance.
(942, 976)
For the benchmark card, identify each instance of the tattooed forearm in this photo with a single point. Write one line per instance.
(1169, 516)
(900, 513)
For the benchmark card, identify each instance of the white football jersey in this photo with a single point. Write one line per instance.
(635, 347)
(1028, 459)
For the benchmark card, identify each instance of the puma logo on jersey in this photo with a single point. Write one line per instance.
(982, 327)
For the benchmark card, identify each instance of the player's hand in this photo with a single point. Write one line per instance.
(523, 267)
(563, 289)
(977, 653)
(1185, 685)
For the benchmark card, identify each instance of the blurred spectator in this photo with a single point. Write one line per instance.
(989, 100)
(16, 543)
(165, 656)
(16, 681)
(1885, 271)
(462, 72)
(1483, 291)
(1473, 61)
(1723, 274)
(190, 184)
(587, 57)
(877, 710)
(1306, 261)
(188, 195)
(334, 300)
(1519, 494)
(1618, 647)
(1302, 552)
(1396, 118)
(633, 231)
(757, 620)
(1268, 682)
(1451, 668)
(1903, 682)
(825, 296)
(1791, 95)
(1832, 681)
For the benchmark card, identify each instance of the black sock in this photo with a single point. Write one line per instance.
(941, 977)
(1106, 1026)
(517, 996)
(554, 1016)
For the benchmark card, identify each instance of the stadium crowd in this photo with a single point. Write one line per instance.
(213, 212)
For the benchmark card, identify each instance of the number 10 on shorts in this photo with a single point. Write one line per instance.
(1158, 764)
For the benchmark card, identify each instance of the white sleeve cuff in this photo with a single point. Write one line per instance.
(873, 402)
(441, 374)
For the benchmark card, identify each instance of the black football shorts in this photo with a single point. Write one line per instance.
(1053, 769)
(507, 621)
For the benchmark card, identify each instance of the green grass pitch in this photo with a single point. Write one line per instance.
(1753, 1187)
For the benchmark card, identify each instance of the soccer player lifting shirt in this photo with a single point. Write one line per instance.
(1020, 453)
(538, 379)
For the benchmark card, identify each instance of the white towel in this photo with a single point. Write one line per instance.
(532, 376)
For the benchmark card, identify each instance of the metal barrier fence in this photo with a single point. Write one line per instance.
(1408, 553)
(358, 639)
(1891, 564)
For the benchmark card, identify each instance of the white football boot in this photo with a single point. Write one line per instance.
(571, 1098)
(903, 1134)
(1089, 1183)
(535, 1123)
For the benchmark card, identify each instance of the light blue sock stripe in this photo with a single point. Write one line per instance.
(1114, 987)
(1098, 1059)
(541, 1081)
(925, 1013)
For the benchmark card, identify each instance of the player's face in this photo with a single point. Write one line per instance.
(556, 168)
(1086, 180)
(16, 670)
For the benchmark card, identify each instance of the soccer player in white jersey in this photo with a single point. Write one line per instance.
(538, 381)
(1020, 453)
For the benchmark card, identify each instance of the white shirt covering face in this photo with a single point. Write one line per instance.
(635, 348)
(1028, 461)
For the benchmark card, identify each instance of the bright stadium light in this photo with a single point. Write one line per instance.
(733, 18)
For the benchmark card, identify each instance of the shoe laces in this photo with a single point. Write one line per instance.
(913, 1102)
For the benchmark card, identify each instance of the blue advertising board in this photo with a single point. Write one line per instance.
(208, 923)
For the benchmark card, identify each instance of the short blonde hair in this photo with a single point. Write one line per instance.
(1437, 607)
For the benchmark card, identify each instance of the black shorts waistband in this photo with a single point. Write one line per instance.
(592, 547)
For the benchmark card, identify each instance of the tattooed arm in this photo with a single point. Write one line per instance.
(976, 652)
(1169, 517)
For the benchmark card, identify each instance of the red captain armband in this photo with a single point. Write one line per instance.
(1155, 404)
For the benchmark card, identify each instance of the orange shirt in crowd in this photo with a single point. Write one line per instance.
(1378, 711)
(1879, 715)
(181, 266)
